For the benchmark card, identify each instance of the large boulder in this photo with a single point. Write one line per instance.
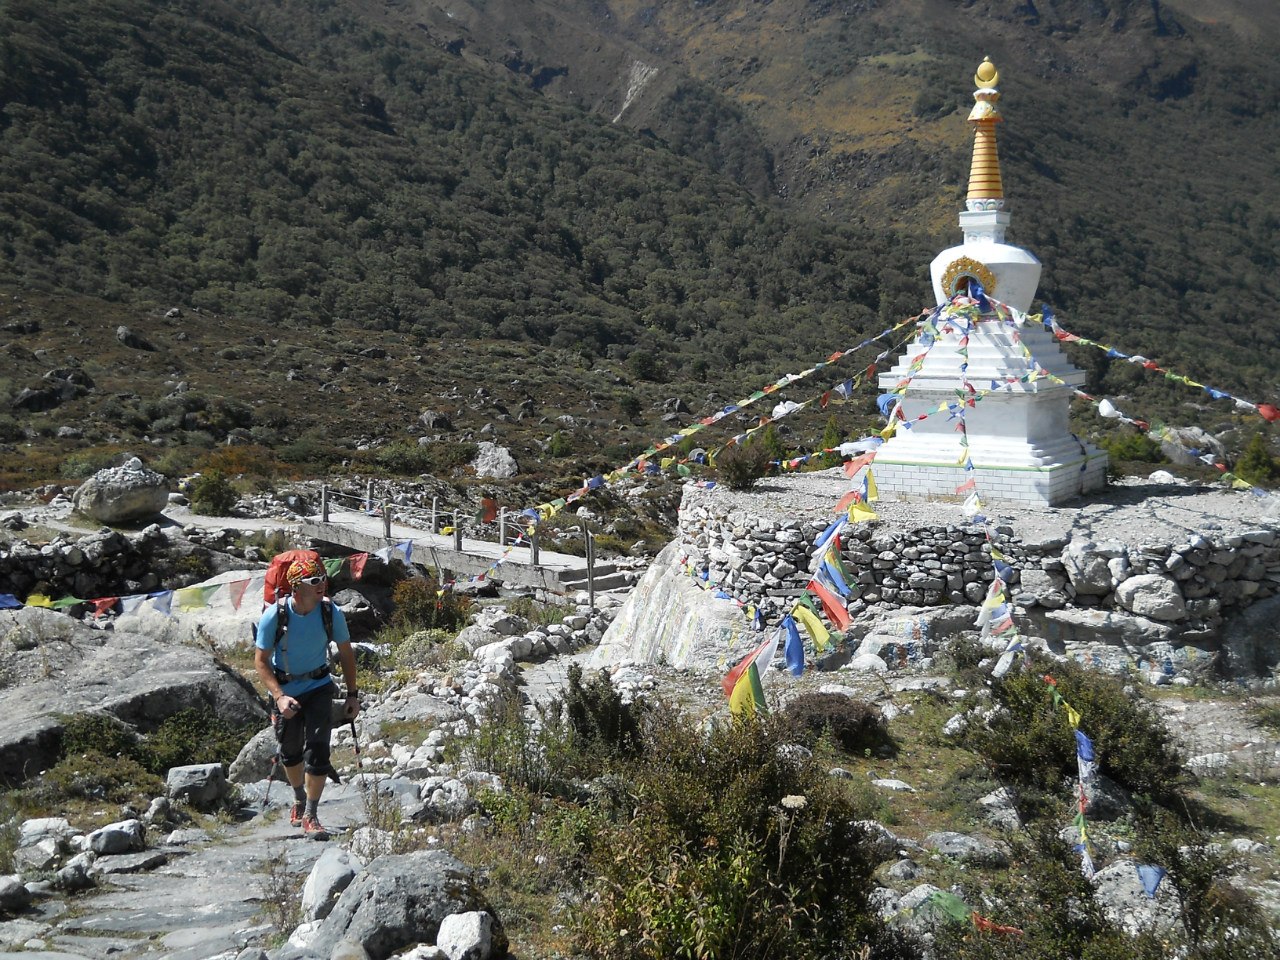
(399, 901)
(667, 617)
(124, 493)
(137, 680)
(203, 785)
(494, 461)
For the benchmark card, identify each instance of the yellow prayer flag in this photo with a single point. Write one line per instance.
(860, 511)
(873, 492)
(813, 626)
(39, 600)
(1072, 716)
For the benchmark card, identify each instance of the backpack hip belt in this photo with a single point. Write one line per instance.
(316, 674)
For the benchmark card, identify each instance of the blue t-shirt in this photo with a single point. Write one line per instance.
(304, 646)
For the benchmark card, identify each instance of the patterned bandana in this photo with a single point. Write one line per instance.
(301, 569)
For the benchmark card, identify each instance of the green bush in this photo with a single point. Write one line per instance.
(1031, 741)
(853, 725)
(726, 846)
(421, 604)
(1256, 464)
(1045, 896)
(97, 776)
(1220, 921)
(600, 721)
(213, 495)
(560, 444)
(420, 649)
(739, 467)
(1132, 445)
(538, 612)
(10, 429)
(96, 733)
(194, 735)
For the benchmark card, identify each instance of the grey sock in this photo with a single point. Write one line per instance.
(300, 794)
(312, 809)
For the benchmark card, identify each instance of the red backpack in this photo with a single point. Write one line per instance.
(277, 583)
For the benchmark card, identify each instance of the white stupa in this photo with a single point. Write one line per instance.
(1019, 449)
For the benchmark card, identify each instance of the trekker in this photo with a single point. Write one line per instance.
(296, 673)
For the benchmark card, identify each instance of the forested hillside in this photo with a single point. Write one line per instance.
(427, 177)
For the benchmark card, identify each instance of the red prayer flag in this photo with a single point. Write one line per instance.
(857, 463)
(1268, 412)
(986, 926)
(836, 611)
(238, 587)
(847, 499)
(357, 562)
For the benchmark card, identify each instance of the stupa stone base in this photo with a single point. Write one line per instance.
(1030, 485)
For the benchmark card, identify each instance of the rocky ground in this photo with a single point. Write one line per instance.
(219, 884)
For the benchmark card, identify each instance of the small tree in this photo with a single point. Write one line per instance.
(213, 495)
(1256, 464)
(739, 467)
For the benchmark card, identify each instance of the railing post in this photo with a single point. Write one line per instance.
(435, 525)
(591, 569)
(324, 503)
(502, 527)
(368, 495)
(533, 546)
(457, 533)
(386, 516)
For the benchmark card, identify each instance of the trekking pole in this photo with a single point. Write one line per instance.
(271, 776)
(355, 745)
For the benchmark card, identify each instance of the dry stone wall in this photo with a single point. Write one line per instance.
(1162, 607)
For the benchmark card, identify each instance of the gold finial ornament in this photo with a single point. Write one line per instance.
(987, 75)
(984, 174)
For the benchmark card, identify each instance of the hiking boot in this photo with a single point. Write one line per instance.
(295, 815)
(311, 828)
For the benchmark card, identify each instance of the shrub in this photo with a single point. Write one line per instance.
(96, 733)
(1256, 464)
(213, 495)
(855, 726)
(600, 721)
(1132, 445)
(726, 846)
(421, 604)
(424, 648)
(1219, 920)
(96, 776)
(10, 429)
(1046, 897)
(560, 444)
(1031, 741)
(739, 467)
(540, 613)
(194, 735)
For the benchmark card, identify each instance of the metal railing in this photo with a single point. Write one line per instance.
(432, 521)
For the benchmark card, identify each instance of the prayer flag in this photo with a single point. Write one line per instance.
(793, 651)
(1151, 877)
(333, 566)
(237, 592)
(818, 633)
(358, 560)
(836, 612)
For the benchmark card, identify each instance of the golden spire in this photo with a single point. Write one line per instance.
(984, 174)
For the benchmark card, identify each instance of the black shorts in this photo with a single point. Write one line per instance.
(304, 737)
